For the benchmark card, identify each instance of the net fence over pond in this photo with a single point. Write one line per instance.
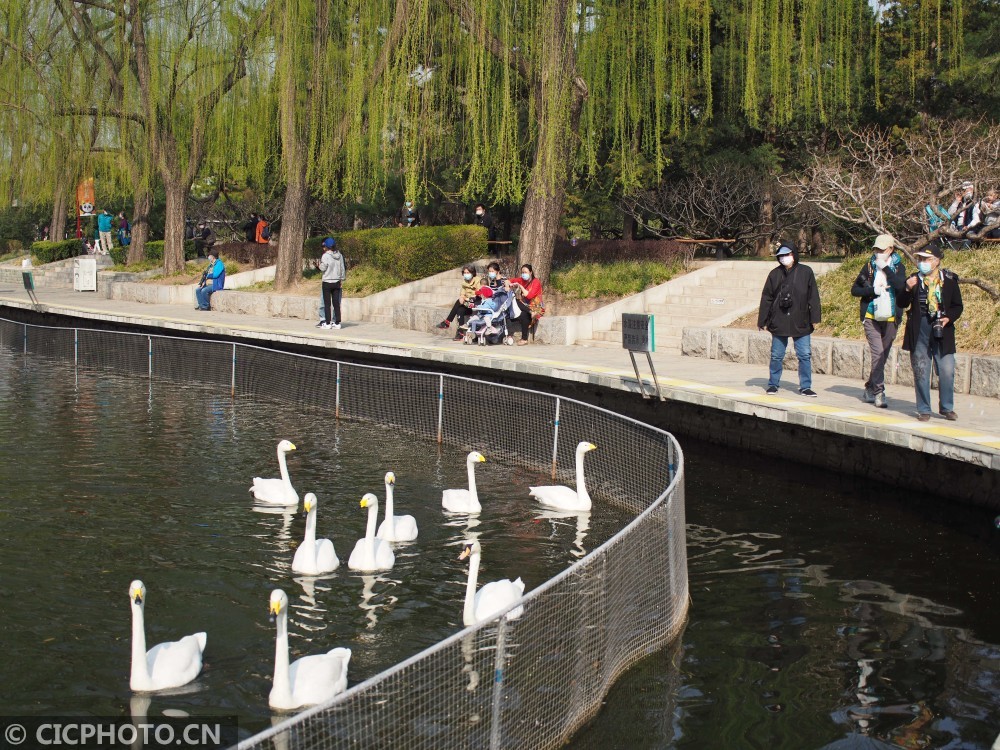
(533, 676)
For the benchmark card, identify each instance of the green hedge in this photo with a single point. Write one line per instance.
(154, 250)
(8, 247)
(411, 254)
(47, 252)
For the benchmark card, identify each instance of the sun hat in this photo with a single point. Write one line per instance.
(885, 242)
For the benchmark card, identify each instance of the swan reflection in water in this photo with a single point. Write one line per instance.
(312, 615)
(371, 609)
(282, 539)
(555, 517)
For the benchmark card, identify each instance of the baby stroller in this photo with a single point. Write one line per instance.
(490, 323)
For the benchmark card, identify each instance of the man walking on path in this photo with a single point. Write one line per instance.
(880, 285)
(935, 303)
(790, 307)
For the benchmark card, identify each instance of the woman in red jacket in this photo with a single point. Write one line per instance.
(529, 298)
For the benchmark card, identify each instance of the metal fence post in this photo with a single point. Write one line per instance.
(495, 737)
(25, 338)
(336, 408)
(232, 377)
(76, 348)
(440, 406)
(555, 439)
(150, 338)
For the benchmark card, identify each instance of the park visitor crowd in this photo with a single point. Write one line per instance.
(790, 308)
(968, 219)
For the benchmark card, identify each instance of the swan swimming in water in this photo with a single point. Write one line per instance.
(314, 556)
(277, 491)
(395, 528)
(371, 553)
(309, 680)
(465, 501)
(166, 665)
(563, 498)
(492, 598)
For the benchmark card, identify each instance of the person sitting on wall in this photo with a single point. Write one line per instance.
(466, 300)
(408, 216)
(494, 276)
(212, 280)
(204, 239)
(529, 298)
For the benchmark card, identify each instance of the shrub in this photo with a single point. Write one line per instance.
(154, 250)
(409, 254)
(11, 247)
(256, 254)
(609, 251)
(48, 252)
(119, 255)
(618, 279)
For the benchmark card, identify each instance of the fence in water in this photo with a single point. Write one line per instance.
(535, 675)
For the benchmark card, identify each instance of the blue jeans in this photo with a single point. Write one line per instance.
(926, 350)
(803, 350)
(203, 295)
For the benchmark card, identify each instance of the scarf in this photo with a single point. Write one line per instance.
(933, 283)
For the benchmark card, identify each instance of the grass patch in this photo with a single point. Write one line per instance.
(977, 331)
(147, 264)
(618, 279)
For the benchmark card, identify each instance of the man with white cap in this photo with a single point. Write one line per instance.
(790, 307)
(935, 303)
(880, 284)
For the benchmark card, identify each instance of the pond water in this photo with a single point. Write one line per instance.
(826, 612)
(104, 480)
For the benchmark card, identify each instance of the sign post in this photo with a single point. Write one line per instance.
(639, 335)
(29, 285)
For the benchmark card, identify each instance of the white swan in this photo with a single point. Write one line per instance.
(559, 496)
(314, 556)
(465, 501)
(166, 665)
(371, 553)
(492, 598)
(395, 528)
(277, 491)
(309, 680)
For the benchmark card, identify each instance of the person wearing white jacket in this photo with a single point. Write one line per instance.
(334, 272)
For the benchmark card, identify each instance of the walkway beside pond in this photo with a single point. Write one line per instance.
(709, 384)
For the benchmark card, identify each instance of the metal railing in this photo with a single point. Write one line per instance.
(531, 678)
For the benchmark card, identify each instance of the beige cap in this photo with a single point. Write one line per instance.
(885, 242)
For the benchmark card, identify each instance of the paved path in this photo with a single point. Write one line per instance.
(975, 438)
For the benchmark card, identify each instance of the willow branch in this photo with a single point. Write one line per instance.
(95, 112)
(494, 46)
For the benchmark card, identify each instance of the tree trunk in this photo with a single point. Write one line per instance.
(766, 224)
(142, 205)
(817, 241)
(173, 225)
(293, 231)
(57, 226)
(630, 228)
(802, 242)
(545, 202)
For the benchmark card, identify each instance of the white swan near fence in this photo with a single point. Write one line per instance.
(371, 553)
(395, 528)
(562, 497)
(309, 680)
(493, 597)
(314, 556)
(465, 501)
(277, 491)
(166, 665)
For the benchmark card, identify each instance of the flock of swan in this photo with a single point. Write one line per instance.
(314, 679)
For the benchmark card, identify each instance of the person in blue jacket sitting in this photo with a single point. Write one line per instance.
(212, 280)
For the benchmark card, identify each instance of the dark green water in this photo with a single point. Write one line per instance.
(103, 481)
(825, 612)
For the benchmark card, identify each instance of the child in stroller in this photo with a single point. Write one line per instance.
(489, 325)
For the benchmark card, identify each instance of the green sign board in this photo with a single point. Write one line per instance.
(637, 332)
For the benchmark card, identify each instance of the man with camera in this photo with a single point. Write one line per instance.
(935, 303)
(790, 307)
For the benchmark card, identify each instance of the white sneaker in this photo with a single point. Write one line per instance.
(334, 326)
(326, 325)
(321, 324)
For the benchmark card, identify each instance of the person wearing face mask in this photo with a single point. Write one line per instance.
(494, 277)
(790, 307)
(408, 216)
(935, 303)
(483, 219)
(880, 284)
(529, 298)
(465, 302)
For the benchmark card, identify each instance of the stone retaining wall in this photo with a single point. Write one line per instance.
(978, 375)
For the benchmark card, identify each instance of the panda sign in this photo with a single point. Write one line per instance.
(85, 197)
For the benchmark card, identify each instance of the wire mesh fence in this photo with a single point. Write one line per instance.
(535, 675)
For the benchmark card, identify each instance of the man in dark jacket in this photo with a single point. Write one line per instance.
(250, 228)
(880, 285)
(935, 303)
(484, 219)
(789, 306)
